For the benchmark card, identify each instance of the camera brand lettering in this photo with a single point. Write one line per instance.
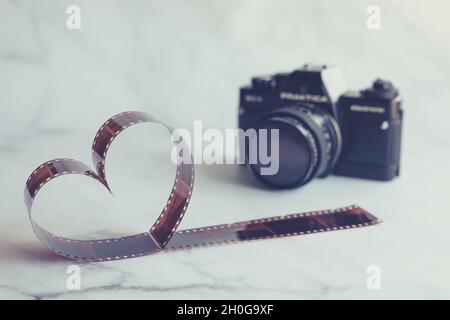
(252, 98)
(369, 109)
(317, 98)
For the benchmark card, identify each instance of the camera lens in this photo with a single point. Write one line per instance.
(309, 145)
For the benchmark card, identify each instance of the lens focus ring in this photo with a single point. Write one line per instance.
(309, 146)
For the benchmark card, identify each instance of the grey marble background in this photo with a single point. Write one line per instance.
(183, 61)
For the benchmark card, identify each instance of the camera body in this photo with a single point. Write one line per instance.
(349, 133)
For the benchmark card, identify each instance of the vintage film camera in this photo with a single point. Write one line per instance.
(324, 129)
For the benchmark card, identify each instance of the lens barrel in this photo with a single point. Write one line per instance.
(309, 145)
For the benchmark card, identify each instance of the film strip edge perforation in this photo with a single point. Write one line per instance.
(163, 234)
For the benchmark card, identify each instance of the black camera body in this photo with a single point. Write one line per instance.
(323, 128)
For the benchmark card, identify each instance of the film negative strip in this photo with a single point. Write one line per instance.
(163, 235)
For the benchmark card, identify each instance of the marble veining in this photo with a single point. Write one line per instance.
(183, 61)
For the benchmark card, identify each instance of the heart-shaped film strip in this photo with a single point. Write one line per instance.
(163, 235)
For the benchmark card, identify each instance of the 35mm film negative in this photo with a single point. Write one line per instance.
(163, 235)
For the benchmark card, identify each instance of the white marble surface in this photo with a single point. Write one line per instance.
(182, 61)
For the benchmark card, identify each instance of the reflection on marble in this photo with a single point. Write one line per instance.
(183, 61)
